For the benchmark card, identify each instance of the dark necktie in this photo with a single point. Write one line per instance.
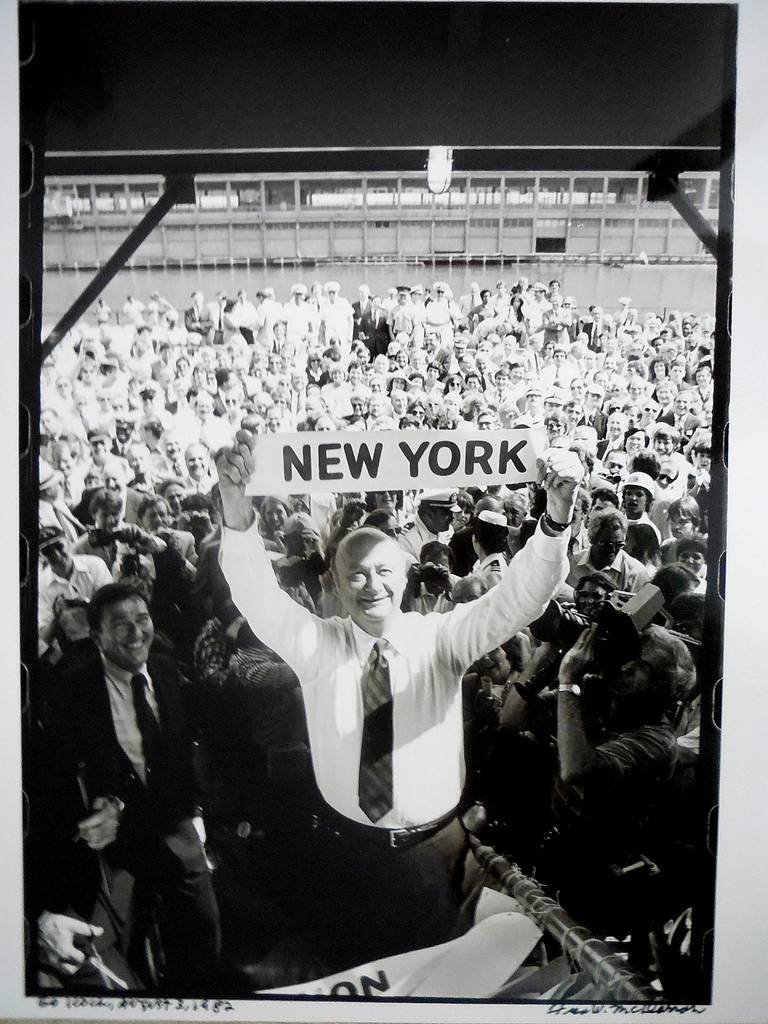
(148, 725)
(375, 778)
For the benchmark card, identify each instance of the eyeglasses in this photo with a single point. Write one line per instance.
(666, 477)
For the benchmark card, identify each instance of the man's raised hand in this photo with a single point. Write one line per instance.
(560, 473)
(235, 466)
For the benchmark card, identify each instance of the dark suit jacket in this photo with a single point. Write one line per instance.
(363, 320)
(77, 756)
(379, 339)
(599, 421)
(198, 321)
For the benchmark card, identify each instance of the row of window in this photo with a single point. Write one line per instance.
(63, 200)
(418, 227)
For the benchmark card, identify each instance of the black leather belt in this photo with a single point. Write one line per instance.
(334, 825)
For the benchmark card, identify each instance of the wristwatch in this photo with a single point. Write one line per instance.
(554, 525)
(573, 688)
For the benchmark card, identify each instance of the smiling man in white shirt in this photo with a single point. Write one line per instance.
(382, 691)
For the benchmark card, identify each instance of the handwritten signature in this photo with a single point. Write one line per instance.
(618, 1009)
(138, 1003)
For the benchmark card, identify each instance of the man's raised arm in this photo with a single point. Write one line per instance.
(282, 624)
(531, 579)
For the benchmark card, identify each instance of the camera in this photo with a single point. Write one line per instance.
(620, 622)
(127, 534)
(431, 573)
(101, 538)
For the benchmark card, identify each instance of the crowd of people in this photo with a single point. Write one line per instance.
(177, 733)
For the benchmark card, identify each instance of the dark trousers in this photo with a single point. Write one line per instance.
(188, 913)
(372, 901)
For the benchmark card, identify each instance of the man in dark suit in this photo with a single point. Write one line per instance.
(362, 312)
(682, 419)
(115, 772)
(197, 318)
(593, 415)
(378, 340)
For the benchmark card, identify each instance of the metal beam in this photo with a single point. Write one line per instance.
(607, 971)
(177, 190)
(663, 187)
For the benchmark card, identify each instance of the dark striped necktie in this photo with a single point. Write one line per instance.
(149, 727)
(375, 778)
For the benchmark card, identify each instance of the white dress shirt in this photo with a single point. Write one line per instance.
(124, 712)
(431, 653)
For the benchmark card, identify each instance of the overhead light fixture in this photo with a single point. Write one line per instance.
(439, 167)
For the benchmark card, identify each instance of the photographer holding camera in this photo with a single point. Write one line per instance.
(430, 581)
(617, 752)
(111, 539)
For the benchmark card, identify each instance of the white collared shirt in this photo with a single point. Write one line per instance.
(625, 572)
(491, 568)
(89, 573)
(431, 653)
(124, 713)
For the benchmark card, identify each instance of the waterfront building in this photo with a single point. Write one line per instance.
(376, 218)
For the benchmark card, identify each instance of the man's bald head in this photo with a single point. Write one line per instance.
(360, 542)
(369, 573)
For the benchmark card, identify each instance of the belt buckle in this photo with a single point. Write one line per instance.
(400, 838)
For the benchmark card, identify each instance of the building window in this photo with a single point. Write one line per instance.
(455, 197)
(331, 195)
(81, 199)
(588, 192)
(142, 195)
(381, 224)
(694, 188)
(281, 226)
(553, 192)
(615, 222)
(485, 222)
(246, 195)
(485, 192)
(414, 193)
(548, 244)
(518, 222)
(652, 222)
(714, 193)
(111, 198)
(314, 225)
(381, 193)
(62, 201)
(558, 223)
(621, 192)
(520, 191)
(279, 195)
(211, 197)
